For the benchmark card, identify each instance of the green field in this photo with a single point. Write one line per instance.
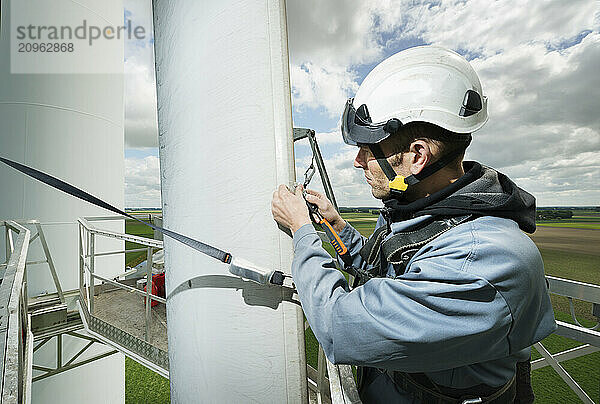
(583, 221)
(139, 229)
(144, 386)
(572, 225)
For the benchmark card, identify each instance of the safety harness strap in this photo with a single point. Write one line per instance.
(78, 193)
(402, 246)
(427, 392)
(370, 250)
(394, 249)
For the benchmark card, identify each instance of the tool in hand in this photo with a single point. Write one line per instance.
(313, 211)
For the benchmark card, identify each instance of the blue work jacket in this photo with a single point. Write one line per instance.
(468, 307)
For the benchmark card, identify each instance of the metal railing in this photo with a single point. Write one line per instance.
(134, 347)
(590, 337)
(46, 314)
(16, 338)
(103, 330)
(39, 235)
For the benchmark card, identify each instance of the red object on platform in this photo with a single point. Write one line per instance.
(158, 287)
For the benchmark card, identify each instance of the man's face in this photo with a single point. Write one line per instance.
(374, 175)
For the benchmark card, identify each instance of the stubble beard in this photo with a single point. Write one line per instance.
(379, 191)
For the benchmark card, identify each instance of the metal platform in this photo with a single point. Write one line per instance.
(136, 348)
(114, 310)
(110, 306)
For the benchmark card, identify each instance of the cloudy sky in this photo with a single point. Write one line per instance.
(537, 60)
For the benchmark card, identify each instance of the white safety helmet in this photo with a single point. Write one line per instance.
(421, 84)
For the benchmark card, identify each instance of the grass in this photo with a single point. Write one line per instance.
(570, 265)
(312, 348)
(573, 225)
(144, 386)
(138, 229)
(576, 222)
(572, 219)
(547, 384)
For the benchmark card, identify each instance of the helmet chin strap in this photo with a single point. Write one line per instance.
(398, 183)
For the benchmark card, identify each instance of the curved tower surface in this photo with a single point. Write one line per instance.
(69, 125)
(225, 136)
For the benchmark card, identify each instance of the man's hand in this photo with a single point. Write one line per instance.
(289, 209)
(326, 209)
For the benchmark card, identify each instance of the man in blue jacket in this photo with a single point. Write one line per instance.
(451, 293)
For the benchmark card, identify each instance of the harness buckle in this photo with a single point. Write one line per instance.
(477, 400)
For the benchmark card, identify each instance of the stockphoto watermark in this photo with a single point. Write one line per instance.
(39, 34)
(67, 37)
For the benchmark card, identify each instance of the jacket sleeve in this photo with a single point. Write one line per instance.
(430, 319)
(354, 241)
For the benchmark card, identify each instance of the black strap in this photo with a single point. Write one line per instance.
(435, 166)
(427, 392)
(525, 394)
(425, 172)
(402, 246)
(370, 250)
(78, 193)
(395, 247)
(383, 163)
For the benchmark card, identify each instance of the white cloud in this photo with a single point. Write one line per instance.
(315, 85)
(555, 180)
(333, 137)
(324, 138)
(545, 113)
(334, 32)
(141, 128)
(539, 74)
(350, 186)
(348, 182)
(142, 182)
(327, 38)
(484, 26)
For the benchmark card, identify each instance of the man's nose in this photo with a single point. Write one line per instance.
(359, 160)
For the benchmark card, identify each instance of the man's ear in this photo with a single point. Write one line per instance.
(421, 155)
